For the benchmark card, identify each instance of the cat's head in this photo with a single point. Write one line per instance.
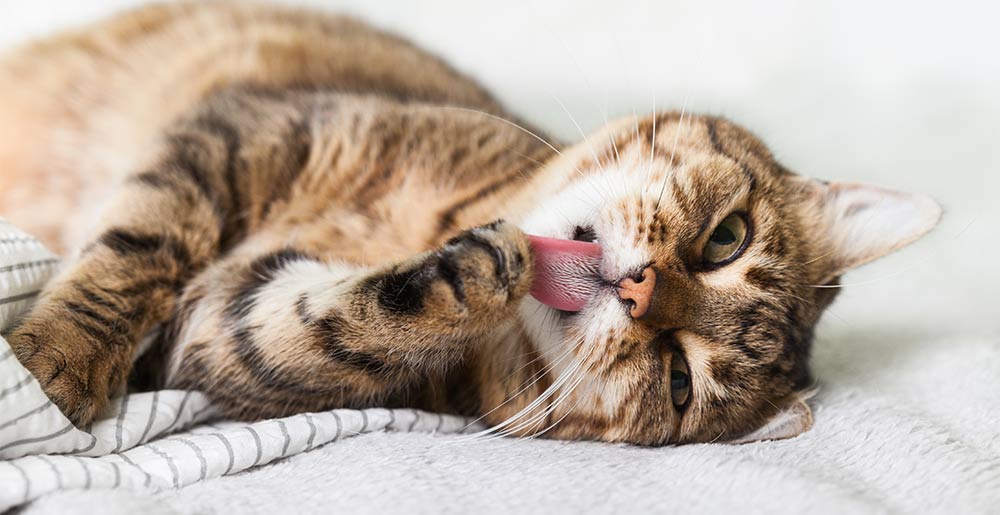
(743, 253)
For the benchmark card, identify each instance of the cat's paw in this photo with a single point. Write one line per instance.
(70, 370)
(481, 274)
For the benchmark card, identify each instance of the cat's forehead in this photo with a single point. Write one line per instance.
(712, 150)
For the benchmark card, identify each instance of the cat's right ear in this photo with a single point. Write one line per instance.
(862, 223)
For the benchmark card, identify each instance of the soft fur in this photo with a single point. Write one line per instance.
(299, 212)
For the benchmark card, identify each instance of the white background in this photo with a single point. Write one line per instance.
(903, 94)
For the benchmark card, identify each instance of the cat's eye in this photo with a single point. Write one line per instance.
(727, 241)
(587, 234)
(680, 381)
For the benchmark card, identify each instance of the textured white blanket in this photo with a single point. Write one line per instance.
(138, 446)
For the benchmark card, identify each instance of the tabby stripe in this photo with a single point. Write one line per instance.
(330, 331)
(750, 318)
(713, 135)
(197, 372)
(499, 260)
(126, 243)
(143, 287)
(117, 327)
(94, 298)
(764, 279)
(222, 129)
(449, 273)
(157, 180)
(623, 357)
(446, 222)
(260, 272)
(250, 357)
(401, 293)
(299, 147)
(97, 333)
(183, 163)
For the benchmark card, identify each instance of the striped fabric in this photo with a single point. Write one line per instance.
(149, 441)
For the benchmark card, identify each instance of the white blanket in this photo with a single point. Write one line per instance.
(137, 446)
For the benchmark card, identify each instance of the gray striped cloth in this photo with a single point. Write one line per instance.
(150, 441)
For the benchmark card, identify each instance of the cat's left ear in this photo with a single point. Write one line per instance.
(795, 419)
(863, 223)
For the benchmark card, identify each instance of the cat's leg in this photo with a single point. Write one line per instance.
(163, 225)
(80, 338)
(284, 332)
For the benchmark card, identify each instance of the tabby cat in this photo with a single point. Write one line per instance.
(298, 212)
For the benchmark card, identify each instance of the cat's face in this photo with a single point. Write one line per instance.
(738, 246)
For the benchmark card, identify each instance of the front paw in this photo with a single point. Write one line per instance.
(470, 284)
(487, 269)
(72, 371)
(473, 282)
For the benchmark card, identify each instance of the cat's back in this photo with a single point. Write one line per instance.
(80, 108)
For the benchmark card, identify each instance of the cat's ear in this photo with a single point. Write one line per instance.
(795, 419)
(863, 223)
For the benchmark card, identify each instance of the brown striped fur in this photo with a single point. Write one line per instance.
(298, 212)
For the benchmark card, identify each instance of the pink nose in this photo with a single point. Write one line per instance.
(639, 291)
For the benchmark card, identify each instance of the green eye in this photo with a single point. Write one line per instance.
(726, 241)
(680, 381)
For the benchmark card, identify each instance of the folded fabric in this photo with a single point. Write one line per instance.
(138, 445)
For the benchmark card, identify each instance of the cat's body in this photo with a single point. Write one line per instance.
(287, 200)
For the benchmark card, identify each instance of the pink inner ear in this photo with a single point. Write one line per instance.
(566, 272)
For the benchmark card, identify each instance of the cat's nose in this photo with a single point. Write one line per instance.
(638, 291)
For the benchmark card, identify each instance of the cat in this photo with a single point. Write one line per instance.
(292, 211)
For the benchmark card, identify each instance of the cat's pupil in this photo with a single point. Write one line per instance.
(584, 234)
(678, 379)
(723, 236)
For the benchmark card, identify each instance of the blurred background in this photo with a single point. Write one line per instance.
(902, 94)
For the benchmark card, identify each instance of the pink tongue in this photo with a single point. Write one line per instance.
(565, 272)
